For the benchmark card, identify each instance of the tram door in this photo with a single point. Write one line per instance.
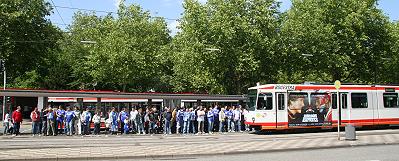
(343, 103)
(281, 111)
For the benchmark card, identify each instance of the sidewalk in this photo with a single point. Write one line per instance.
(188, 147)
(25, 128)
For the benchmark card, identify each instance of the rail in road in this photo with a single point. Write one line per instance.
(140, 147)
(28, 142)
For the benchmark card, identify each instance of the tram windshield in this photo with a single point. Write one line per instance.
(265, 101)
(252, 99)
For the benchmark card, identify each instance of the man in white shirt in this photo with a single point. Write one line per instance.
(237, 119)
(6, 123)
(132, 119)
(86, 119)
(97, 123)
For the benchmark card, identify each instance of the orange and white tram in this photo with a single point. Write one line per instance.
(287, 106)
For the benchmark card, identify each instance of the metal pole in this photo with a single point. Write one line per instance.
(375, 75)
(349, 114)
(4, 97)
(339, 114)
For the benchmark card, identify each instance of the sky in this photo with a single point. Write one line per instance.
(170, 9)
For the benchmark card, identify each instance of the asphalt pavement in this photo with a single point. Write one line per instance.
(176, 147)
(363, 153)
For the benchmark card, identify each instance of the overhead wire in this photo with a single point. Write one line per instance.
(62, 24)
(109, 12)
(58, 12)
(29, 41)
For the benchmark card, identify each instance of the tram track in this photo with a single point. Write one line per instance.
(156, 140)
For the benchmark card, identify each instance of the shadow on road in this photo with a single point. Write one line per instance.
(319, 130)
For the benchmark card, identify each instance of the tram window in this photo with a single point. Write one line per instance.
(390, 100)
(252, 99)
(359, 100)
(265, 101)
(334, 101)
(344, 100)
(280, 101)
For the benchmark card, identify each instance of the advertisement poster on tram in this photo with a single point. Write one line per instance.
(313, 110)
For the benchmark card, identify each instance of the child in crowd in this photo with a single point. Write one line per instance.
(126, 127)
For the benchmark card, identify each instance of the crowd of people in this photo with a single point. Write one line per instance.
(150, 120)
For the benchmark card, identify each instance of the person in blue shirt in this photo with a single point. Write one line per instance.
(211, 118)
(113, 116)
(87, 121)
(60, 120)
(179, 121)
(229, 116)
(69, 118)
(215, 111)
(122, 116)
(193, 119)
(186, 120)
(167, 115)
(126, 127)
(50, 122)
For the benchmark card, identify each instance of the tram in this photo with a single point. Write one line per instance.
(106, 103)
(291, 106)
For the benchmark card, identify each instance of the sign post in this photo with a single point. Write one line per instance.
(337, 85)
(3, 69)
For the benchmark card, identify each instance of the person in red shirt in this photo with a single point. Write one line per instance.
(17, 120)
(35, 116)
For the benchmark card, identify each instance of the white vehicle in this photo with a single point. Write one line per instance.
(287, 106)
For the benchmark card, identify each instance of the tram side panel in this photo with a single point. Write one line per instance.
(387, 109)
(362, 104)
(357, 107)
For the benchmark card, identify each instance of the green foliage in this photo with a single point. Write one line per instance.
(127, 55)
(346, 38)
(244, 31)
(27, 80)
(224, 46)
(390, 63)
(27, 39)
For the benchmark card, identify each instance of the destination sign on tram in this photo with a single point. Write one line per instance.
(284, 87)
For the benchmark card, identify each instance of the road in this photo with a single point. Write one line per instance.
(198, 147)
(62, 141)
(363, 153)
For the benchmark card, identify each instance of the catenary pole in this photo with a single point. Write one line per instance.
(4, 88)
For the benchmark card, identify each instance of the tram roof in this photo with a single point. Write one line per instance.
(112, 94)
(323, 86)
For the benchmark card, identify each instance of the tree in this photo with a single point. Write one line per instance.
(27, 40)
(346, 38)
(243, 31)
(390, 66)
(128, 52)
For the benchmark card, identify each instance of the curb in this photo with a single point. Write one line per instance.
(171, 156)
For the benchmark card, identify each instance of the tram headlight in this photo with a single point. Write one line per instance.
(253, 119)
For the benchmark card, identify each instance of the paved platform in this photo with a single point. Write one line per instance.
(159, 146)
